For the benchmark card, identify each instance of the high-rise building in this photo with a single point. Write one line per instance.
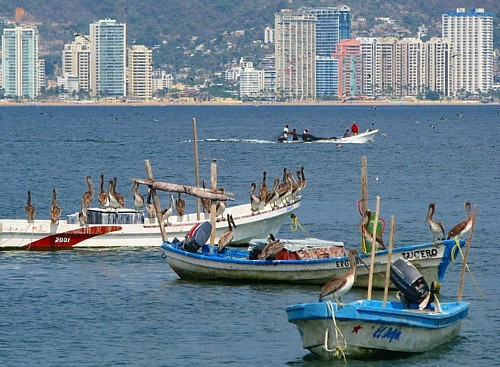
(368, 47)
(410, 67)
(140, 67)
(108, 59)
(251, 83)
(295, 50)
(471, 36)
(437, 66)
(348, 56)
(20, 66)
(76, 62)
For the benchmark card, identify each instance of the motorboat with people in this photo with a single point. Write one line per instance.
(361, 138)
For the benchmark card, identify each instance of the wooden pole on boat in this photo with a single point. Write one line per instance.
(389, 260)
(213, 176)
(156, 201)
(196, 167)
(364, 186)
(464, 264)
(374, 249)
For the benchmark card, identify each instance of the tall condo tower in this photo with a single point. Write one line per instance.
(471, 36)
(20, 66)
(108, 59)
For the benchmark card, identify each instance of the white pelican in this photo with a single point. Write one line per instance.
(337, 287)
(228, 235)
(30, 209)
(436, 227)
(463, 227)
(55, 210)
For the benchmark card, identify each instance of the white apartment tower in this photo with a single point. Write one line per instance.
(437, 66)
(471, 36)
(108, 59)
(76, 61)
(410, 67)
(140, 67)
(251, 83)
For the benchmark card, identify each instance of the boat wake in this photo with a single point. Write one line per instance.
(232, 140)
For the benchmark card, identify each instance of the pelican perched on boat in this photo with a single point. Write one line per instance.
(228, 235)
(285, 188)
(30, 209)
(82, 215)
(367, 235)
(119, 197)
(264, 190)
(436, 227)
(150, 208)
(55, 210)
(463, 227)
(337, 287)
(273, 196)
(303, 179)
(254, 199)
(220, 208)
(88, 196)
(180, 205)
(167, 212)
(272, 249)
(138, 198)
(113, 201)
(102, 197)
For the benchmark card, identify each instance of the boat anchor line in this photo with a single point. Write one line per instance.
(338, 352)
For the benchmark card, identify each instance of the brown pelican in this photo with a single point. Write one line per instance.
(167, 212)
(272, 249)
(55, 210)
(254, 199)
(436, 227)
(220, 208)
(113, 201)
(264, 190)
(150, 208)
(102, 197)
(88, 196)
(82, 215)
(303, 179)
(206, 203)
(30, 209)
(463, 227)
(180, 205)
(337, 287)
(138, 198)
(119, 197)
(367, 235)
(228, 235)
(273, 196)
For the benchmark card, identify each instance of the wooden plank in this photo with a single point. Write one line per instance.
(388, 268)
(364, 186)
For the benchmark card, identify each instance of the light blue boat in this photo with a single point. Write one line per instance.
(364, 328)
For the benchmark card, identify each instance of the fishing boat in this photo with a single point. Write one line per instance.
(308, 262)
(367, 328)
(364, 328)
(122, 227)
(361, 138)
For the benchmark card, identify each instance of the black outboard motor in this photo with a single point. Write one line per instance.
(197, 237)
(409, 281)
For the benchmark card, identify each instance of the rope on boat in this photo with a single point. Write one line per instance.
(338, 352)
(457, 244)
(295, 225)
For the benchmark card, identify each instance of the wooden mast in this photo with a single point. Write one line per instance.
(389, 260)
(213, 208)
(196, 166)
(374, 249)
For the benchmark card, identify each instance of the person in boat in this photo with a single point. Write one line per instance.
(285, 132)
(354, 128)
(305, 135)
(295, 137)
(346, 134)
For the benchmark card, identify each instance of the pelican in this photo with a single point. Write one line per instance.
(254, 199)
(337, 287)
(285, 188)
(167, 212)
(180, 205)
(88, 196)
(150, 208)
(113, 201)
(264, 190)
(228, 235)
(272, 249)
(102, 197)
(30, 209)
(274, 196)
(138, 198)
(220, 207)
(206, 203)
(367, 235)
(463, 227)
(436, 227)
(82, 215)
(303, 179)
(55, 210)
(119, 197)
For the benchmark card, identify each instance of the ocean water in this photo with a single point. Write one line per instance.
(127, 307)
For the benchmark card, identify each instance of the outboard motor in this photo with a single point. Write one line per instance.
(197, 237)
(409, 281)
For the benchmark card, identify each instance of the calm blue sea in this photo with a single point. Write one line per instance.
(126, 307)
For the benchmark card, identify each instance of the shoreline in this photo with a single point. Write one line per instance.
(256, 104)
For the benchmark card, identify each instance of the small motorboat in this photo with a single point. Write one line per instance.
(361, 138)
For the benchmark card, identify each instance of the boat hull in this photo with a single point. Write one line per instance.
(370, 330)
(431, 260)
(41, 235)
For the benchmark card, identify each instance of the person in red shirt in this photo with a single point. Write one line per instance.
(354, 129)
